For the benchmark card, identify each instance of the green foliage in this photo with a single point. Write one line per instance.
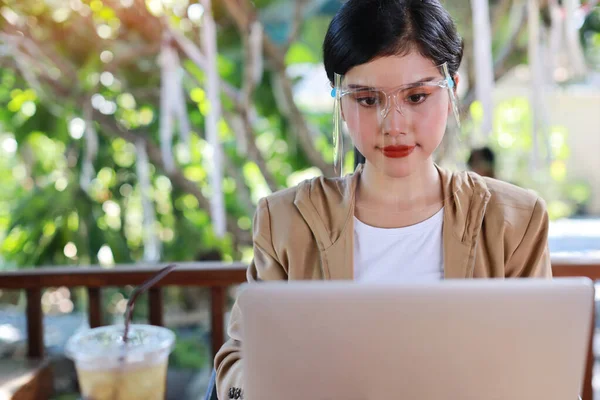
(513, 142)
(590, 37)
(69, 396)
(111, 52)
(300, 53)
(189, 353)
(44, 212)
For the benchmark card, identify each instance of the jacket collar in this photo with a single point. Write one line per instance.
(327, 205)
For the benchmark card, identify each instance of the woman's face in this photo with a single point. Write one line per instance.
(398, 130)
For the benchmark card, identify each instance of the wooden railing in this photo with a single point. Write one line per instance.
(216, 276)
(213, 275)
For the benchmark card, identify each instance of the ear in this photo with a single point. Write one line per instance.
(456, 81)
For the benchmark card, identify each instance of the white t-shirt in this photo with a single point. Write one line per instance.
(409, 254)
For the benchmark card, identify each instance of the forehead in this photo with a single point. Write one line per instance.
(393, 71)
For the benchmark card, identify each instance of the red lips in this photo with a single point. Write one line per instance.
(397, 151)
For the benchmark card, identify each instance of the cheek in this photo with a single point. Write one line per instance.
(361, 131)
(430, 131)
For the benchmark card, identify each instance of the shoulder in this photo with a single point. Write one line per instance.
(513, 204)
(520, 216)
(272, 211)
(317, 189)
(289, 223)
(516, 214)
(315, 207)
(279, 200)
(505, 201)
(508, 208)
(280, 209)
(509, 195)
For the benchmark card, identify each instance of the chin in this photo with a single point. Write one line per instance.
(399, 170)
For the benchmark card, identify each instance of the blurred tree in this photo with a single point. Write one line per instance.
(90, 88)
(590, 34)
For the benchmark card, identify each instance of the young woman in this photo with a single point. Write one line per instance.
(399, 217)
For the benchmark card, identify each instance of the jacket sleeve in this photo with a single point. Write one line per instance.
(531, 258)
(264, 266)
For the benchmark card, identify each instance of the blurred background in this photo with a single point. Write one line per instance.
(143, 132)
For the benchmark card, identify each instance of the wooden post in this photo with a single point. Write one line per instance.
(217, 317)
(35, 324)
(155, 302)
(95, 307)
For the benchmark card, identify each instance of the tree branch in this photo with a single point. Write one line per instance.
(243, 14)
(241, 11)
(151, 50)
(502, 64)
(24, 37)
(111, 127)
(299, 7)
(192, 52)
(241, 187)
(252, 150)
(60, 94)
(139, 18)
(252, 40)
(248, 28)
(301, 126)
(499, 11)
(519, 25)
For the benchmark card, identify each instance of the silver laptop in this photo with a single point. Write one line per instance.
(520, 339)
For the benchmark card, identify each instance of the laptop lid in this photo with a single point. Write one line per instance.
(464, 339)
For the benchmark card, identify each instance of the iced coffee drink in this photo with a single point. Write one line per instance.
(109, 369)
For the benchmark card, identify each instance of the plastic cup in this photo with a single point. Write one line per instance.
(109, 370)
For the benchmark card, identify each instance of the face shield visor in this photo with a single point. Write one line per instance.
(396, 121)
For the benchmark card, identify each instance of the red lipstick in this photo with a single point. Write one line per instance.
(397, 151)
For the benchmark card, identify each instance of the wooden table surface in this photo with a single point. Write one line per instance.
(25, 380)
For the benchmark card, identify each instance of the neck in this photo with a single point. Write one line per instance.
(422, 188)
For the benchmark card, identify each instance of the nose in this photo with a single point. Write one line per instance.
(395, 121)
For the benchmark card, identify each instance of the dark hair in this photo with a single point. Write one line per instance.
(363, 30)
(484, 154)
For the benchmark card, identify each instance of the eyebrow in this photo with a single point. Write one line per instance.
(354, 86)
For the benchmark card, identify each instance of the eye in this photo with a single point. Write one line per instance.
(369, 98)
(369, 101)
(417, 98)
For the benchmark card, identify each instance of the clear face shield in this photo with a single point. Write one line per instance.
(396, 120)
